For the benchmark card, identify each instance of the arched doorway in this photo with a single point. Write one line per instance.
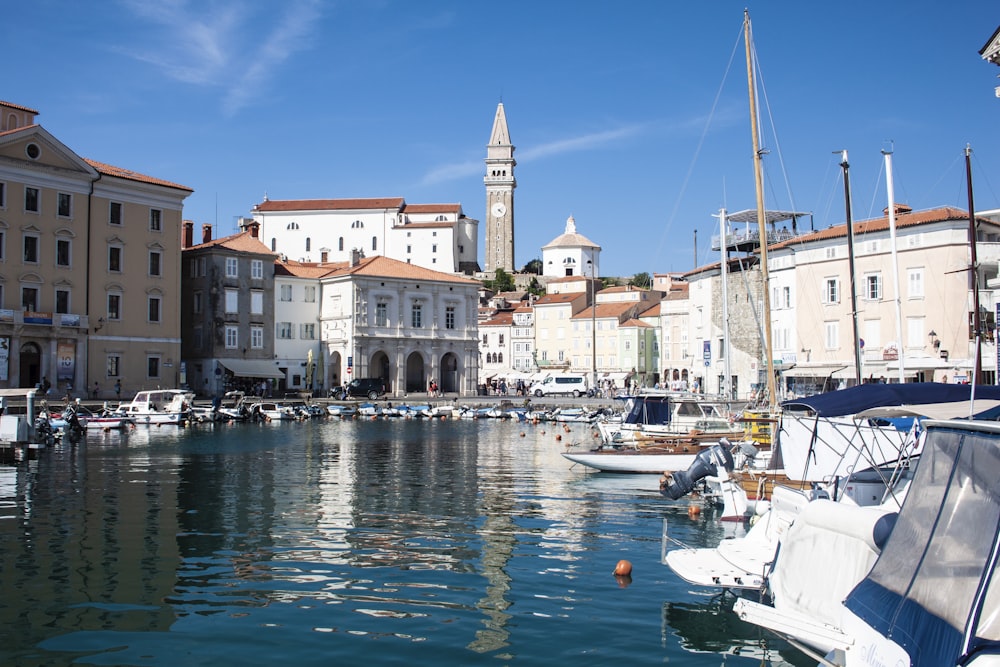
(31, 365)
(334, 370)
(378, 367)
(415, 379)
(449, 373)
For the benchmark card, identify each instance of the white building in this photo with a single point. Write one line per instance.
(571, 254)
(297, 345)
(406, 324)
(435, 236)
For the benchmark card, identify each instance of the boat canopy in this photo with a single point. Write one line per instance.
(853, 400)
(649, 410)
(932, 589)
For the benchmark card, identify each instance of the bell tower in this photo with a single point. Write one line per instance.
(500, 184)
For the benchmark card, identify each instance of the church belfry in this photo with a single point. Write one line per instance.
(500, 184)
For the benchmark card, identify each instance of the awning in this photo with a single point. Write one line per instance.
(252, 368)
(921, 364)
(817, 371)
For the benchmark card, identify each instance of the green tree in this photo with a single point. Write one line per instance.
(641, 279)
(534, 266)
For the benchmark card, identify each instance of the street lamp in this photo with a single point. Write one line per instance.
(593, 327)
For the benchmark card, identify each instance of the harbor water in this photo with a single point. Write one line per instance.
(329, 542)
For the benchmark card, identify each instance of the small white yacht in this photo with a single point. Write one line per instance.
(160, 406)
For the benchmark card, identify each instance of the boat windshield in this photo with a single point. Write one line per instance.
(928, 583)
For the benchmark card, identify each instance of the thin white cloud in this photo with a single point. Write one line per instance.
(457, 171)
(215, 44)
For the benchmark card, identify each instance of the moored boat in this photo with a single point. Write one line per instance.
(160, 406)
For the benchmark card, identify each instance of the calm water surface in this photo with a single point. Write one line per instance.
(345, 542)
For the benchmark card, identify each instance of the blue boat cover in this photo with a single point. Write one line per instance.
(932, 590)
(650, 410)
(862, 397)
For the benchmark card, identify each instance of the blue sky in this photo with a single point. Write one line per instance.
(632, 117)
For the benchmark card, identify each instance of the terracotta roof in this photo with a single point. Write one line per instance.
(566, 297)
(678, 292)
(523, 309)
(913, 219)
(502, 319)
(242, 242)
(432, 208)
(19, 129)
(306, 269)
(651, 312)
(605, 310)
(275, 205)
(639, 324)
(18, 106)
(111, 170)
(381, 266)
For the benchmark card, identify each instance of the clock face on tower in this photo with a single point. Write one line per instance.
(498, 209)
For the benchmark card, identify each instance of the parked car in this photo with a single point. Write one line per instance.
(370, 388)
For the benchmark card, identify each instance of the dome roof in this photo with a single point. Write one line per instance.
(571, 239)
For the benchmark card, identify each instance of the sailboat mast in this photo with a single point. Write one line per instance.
(845, 165)
(724, 387)
(761, 216)
(895, 260)
(974, 272)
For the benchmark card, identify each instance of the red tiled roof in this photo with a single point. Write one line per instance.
(651, 312)
(276, 205)
(18, 106)
(502, 319)
(614, 309)
(558, 298)
(381, 266)
(111, 170)
(242, 242)
(636, 323)
(432, 208)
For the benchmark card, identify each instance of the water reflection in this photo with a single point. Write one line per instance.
(305, 542)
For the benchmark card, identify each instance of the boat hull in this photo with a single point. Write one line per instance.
(633, 461)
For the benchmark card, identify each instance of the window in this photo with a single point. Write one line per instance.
(873, 287)
(29, 298)
(256, 269)
(115, 259)
(31, 200)
(324, 256)
(3, 244)
(286, 292)
(381, 315)
(417, 316)
(257, 337)
(3, 195)
(154, 262)
(114, 306)
(155, 220)
(449, 317)
(500, 342)
(31, 248)
(114, 213)
(153, 367)
(232, 337)
(232, 301)
(307, 331)
(434, 247)
(285, 330)
(409, 249)
(196, 301)
(232, 267)
(198, 338)
(113, 365)
(831, 291)
(308, 244)
(256, 302)
(62, 301)
(915, 336)
(62, 252)
(64, 205)
(153, 308)
(915, 283)
(340, 243)
(374, 243)
(311, 293)
(832, 335)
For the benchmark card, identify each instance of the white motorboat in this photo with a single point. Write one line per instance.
(656, 415)
(861, 592)
(160, 406)
(268, 411)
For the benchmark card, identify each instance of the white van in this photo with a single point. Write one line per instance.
(575, 385)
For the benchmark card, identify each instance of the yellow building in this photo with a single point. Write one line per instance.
(89, 268)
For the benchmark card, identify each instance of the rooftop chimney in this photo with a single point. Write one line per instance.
(206, 233)
(187, 233)
(355, 256)
(254, 229)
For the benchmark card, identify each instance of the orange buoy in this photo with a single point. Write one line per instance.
(694, 511)
(522, 434)
(558, 436)
(623, 569)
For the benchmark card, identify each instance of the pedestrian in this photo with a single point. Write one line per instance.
(96, 390)
(46, 386)
(118, 389)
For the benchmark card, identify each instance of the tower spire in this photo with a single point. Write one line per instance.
(500, 184)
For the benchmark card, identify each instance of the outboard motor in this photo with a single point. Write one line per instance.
(706, 464)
